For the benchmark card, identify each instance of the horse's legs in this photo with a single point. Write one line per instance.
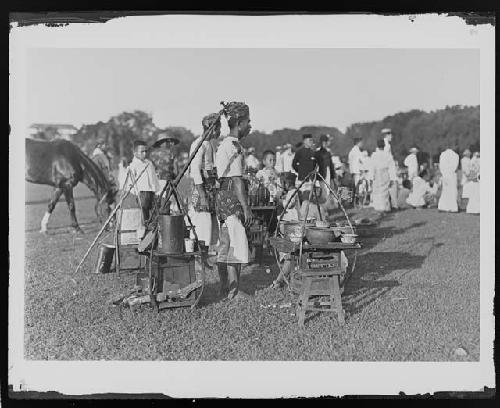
(52, 204)
(68, 195)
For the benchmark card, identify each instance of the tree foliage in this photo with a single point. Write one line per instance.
(431, 132)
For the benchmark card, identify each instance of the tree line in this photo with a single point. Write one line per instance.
(431, 132)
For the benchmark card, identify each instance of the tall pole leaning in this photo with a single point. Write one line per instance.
(175, 183)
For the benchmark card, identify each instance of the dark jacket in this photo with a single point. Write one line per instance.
(324, 159)
(304, 162)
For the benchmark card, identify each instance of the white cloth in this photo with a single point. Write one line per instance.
(448, 163)
(202, 161)
(279, 162)
(228, 161)
(148, 180)
(355, 159)
(381, 162)
(412, 163)
(287, 159)
(238, 250)
(203, 223)
(473, 206)
(392, 168)
(419, 189)
(122, 175)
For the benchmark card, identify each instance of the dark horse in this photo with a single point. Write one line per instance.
(63, 165)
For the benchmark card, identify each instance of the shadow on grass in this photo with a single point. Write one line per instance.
(367, 284)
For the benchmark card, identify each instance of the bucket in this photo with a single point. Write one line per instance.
(105, 259)
(171, 228)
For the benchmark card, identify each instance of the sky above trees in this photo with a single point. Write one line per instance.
(283, 87)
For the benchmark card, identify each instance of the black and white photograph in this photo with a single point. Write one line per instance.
(252, 206)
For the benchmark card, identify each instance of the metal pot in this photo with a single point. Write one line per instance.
(317, 235)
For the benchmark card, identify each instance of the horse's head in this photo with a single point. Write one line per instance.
(104, 204)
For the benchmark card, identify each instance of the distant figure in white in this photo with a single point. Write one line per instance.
(355, 160)
(411, 163)
(448, 164)
(393, 186)
(279, 160)
(382, 166)
(202, 203)
(471, 190)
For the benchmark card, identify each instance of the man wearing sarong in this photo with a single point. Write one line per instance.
(201, 170)
(448, 164)
(232, 207)
(381, 164)
(393, 185)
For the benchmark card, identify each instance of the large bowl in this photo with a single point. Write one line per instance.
(349, 238)
(318, 236)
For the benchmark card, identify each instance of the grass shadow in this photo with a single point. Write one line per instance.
(367, 284)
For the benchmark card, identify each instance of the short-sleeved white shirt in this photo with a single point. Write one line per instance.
(228, 161)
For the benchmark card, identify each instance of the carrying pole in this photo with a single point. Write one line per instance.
(176, 181)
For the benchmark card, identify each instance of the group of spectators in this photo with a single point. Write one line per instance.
(415, 185)
(386, 184)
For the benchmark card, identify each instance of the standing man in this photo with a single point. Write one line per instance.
(287, 158)
(325, 164)
(465, 164)
(304, 160)
(412, 163)
(393, 187)
(355, 160)
(448, 164)
(101, 158)
(147, 183)
(232, 207)
(202, 202)
(279, 159)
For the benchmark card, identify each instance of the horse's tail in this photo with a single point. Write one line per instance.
(92, 176)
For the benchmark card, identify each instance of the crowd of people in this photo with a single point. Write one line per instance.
(224, 176)
(416, 185)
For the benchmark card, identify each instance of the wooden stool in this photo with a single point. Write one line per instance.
(320, 282)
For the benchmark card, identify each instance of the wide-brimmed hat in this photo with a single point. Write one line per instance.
(413, 150)
(386, 131)
(163, 137)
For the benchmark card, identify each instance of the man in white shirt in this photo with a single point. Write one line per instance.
(355, 160)
(202, 202)
(393, 186)
(232, 207)
(279, 159)
(448, 164)
(147, 183)
(287, 158)
(411, 163)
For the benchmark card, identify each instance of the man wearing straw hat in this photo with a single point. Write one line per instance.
(232, 207)
(202, 202)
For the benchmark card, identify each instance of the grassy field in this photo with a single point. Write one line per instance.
(414, 296)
